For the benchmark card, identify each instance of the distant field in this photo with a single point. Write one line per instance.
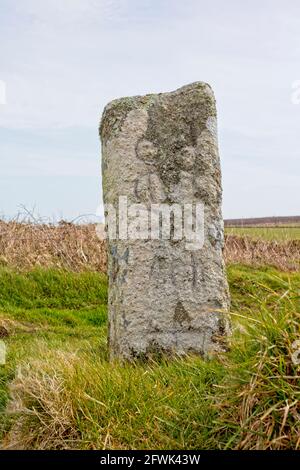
(266, 233)
(264, 221)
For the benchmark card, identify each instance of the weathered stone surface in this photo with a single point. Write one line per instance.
(164, 296)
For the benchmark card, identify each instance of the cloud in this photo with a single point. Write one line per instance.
(70, 57)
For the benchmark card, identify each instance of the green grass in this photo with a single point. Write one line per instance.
(57, 308)
(266, 233)
(57, 368)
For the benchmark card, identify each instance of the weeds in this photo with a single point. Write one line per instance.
(73, 247)
(77, 248)
(66, 395)
(283, 255)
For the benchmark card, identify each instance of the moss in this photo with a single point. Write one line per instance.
(116, 111)
(176, 120)
(164, 125)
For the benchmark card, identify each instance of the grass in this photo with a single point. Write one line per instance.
(59, 309)
(58, 390)
(25, 246)
(70, 246)
(266, 233)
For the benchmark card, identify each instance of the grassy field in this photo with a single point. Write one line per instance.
(58, 390)
(266, 233)
(77, 248)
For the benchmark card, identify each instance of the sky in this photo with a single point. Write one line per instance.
(62, 61)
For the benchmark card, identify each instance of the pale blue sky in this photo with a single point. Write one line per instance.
(63, 60)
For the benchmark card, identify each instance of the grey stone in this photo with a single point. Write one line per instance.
(165, 296)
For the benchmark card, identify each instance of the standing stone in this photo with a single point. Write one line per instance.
(165, 295)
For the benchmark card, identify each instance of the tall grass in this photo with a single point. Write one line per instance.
(260, 402)
(74, 247)
(66, 394)
(284, 255)
(24, 246)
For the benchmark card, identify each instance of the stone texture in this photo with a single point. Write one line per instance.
(163, 297)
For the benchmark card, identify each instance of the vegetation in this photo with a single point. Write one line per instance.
(77, 248)
(290, 221)
(281, 233)
(58, 390)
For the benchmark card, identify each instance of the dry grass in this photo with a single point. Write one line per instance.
(53, 412)
(24, 246)
(283, 255)
(260, 406)
(65, 400)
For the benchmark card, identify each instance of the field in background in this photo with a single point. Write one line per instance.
(25, 246)
(282, 234)
(58, 390)
(281, 229)
(290, 221)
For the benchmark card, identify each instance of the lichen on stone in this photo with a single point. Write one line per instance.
(163, 298)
